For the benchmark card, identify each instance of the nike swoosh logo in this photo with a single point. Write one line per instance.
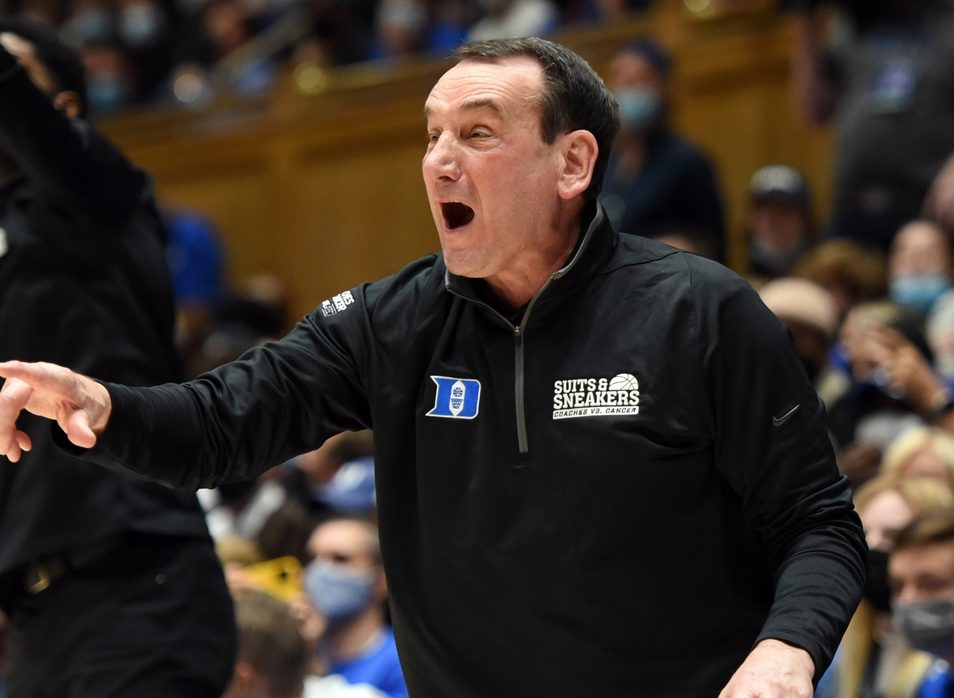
(779, 421)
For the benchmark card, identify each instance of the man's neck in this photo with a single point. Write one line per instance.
(518, 286)
(357, 636)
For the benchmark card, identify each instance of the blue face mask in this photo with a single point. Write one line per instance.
(106, 93)
(919, 292)
(338, 593)
(639, 108)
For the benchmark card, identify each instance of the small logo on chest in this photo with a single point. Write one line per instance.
(595, 397)
(456, 398)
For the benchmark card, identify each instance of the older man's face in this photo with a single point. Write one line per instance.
(491, 180)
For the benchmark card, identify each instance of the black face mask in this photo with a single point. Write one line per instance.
(877, 590)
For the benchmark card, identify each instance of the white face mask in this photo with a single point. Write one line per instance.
(927, 625)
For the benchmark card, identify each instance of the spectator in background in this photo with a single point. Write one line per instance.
(336, 478)
(888, 360)
(345, 583)
(919, 266)
(921, 452)
(450, 22)
(811, 315)
(779, 221)
(112, 78)
(506, 19)
(400, 29)
(852, 274)
(873, 659)
(198, 266)
(254, 313)
(272, 656)
(656, 179)
(939, 327)
(921, 570)
(889, 86)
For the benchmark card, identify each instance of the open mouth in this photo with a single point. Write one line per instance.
(456, 214)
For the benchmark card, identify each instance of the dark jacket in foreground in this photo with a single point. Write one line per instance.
(84, 283)
(618, 496)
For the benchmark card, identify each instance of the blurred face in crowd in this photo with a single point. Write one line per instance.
(923, 573)
(506, 204)
(919, 267)
(345, 543)
(344, 580)
(883, 516)
(919, 248)
(640, 89)
(922, 580)
(778, 225)
(927, 462)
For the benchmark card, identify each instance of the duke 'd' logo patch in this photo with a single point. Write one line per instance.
(595, 397)
(456, 398)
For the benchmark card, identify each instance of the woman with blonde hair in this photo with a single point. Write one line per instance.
(924, 451)
(873, 660)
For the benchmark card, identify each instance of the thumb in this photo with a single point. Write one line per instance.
(78, 430)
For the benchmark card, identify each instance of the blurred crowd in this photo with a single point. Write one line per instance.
(141, 52)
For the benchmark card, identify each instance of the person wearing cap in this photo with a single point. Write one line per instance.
(657, 182)
(779, 220)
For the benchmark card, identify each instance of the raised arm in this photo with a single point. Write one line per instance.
(66, 162)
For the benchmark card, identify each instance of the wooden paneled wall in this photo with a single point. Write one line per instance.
(325, 189)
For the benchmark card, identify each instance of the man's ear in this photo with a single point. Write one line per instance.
(69, 103)
(579, 155)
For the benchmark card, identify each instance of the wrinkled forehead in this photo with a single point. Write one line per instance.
(505, 83)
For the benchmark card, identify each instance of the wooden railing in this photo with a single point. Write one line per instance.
(320, 183)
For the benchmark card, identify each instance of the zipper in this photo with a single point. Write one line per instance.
(519, 332)
(523, 446)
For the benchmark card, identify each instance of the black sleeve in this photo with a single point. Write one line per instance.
(773, 449)
(276, 401)
(68, 165)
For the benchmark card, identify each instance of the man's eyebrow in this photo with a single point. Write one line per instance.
(473, 105)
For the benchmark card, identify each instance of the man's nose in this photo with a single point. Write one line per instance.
(442, 158)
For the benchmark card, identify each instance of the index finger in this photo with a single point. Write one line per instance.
(41, 375)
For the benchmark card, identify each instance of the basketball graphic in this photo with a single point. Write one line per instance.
(624, 381)
(458, 393)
